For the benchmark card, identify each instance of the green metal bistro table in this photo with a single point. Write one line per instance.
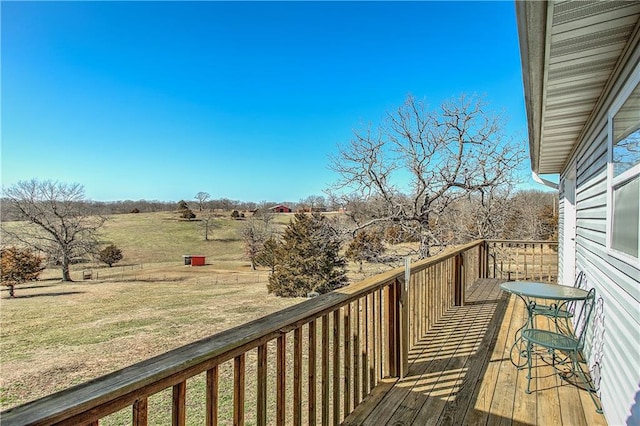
(529, 292)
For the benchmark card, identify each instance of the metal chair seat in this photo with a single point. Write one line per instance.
(565, 310)
(551, 340)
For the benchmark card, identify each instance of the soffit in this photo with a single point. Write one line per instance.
(565, 79)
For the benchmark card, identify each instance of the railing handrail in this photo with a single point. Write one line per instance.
(124, 387)
(522, 241)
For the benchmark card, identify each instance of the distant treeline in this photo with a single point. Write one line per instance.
(146, 206)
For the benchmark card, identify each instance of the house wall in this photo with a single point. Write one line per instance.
(613, 348)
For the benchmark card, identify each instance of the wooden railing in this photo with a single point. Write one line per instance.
(523, 260)
(312, 363)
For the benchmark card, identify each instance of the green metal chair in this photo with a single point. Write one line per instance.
(565, 311)
(564, 348)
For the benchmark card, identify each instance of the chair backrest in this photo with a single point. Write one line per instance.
(583, 317)
(580, 282)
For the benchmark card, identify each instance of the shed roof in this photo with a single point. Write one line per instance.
(570, 54)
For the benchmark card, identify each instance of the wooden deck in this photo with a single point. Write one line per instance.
(461, 374)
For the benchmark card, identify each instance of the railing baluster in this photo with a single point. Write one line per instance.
(336, 367)
(238, 389)
(501, 261)
(212, 396)
(297, 376)
(325, 370)
(312, 381)
(140, 408)
(376, 338)
(365, 348)
(179, 400)
(379, 335)
(281, 382)
(356, 353)
(347, 359)
(391, 327)
(540, 263)
(261, 413)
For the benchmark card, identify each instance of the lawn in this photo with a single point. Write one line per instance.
(57, 334)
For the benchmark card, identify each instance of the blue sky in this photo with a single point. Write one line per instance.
(243, 100)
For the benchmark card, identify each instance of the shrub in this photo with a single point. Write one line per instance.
(187, 214)
(366, 246)
(110, 255)
(18, 265)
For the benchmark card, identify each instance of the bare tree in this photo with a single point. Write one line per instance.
(60, 221)
(202, 198)
(264, 213)
(208, 223)
(533, 216)
(419, 162)
(255, 232)
(314, 203)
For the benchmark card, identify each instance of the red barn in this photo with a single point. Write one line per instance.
(281, 209)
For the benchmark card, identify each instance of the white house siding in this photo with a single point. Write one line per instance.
(615, 353)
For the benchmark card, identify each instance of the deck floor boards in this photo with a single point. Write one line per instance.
(460, 373)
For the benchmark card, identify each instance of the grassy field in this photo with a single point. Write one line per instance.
(54, 335)
(57, 334)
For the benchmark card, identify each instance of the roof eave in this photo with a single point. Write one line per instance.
(532, 34)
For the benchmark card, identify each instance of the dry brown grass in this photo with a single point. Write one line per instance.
(58, 334)
(54, 335)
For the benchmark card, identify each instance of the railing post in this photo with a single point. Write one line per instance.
(403, 347)
(484, 259)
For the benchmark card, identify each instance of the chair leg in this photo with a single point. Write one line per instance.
(577, 369)
(529, 357)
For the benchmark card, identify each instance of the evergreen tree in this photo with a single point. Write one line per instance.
(110, 255)
(269, 254)
(308, 258)
(367, 246)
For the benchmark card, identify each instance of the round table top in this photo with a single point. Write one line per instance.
(544, 290)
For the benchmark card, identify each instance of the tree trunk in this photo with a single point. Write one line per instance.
(425, 240)
(11, 290)
(66, 275)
